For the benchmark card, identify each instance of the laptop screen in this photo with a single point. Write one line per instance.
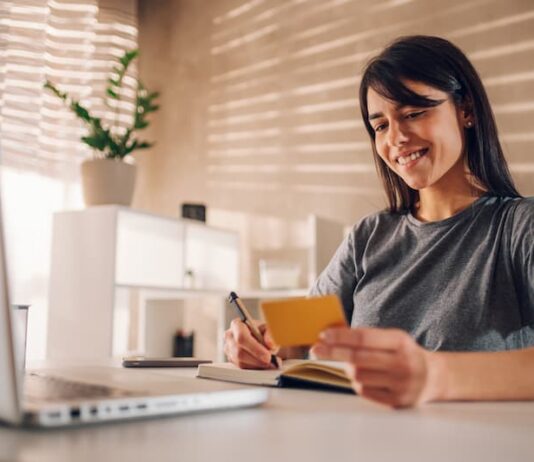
(9, 396)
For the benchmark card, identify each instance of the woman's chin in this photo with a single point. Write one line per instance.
(416, 184)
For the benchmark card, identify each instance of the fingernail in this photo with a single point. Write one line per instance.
(326, 335)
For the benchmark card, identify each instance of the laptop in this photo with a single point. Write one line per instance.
(91, 394)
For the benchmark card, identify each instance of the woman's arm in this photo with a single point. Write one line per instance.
(388, 366)
(492, 376)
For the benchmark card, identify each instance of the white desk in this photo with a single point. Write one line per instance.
(295, 425)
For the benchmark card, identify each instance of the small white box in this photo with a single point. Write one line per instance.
(279, 275)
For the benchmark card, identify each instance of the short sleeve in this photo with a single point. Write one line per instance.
(339, 277)
(522, 249)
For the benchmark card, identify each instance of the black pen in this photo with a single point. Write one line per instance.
(247, 319)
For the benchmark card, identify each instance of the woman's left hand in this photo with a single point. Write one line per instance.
(385, 365)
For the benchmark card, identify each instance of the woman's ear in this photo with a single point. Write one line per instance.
(466, 114)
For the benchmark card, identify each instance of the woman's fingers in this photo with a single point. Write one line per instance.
(242, 358)
(365, 337)
(375, 379)
(383, 387)
(244, 338)
(386, 365)
(379, 395)
(269, 342)
(243, 349)
(364, 358)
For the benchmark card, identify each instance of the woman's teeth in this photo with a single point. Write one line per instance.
(414, 155)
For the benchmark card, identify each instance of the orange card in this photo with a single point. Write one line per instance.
(298, 321)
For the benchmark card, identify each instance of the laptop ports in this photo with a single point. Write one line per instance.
(75, 413)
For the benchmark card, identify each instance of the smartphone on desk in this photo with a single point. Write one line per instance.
(142, 361)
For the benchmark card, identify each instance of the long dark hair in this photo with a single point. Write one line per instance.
(440, 64)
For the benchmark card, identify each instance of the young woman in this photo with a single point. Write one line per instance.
(439, 288)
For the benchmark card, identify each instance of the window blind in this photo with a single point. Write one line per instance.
(74, 44)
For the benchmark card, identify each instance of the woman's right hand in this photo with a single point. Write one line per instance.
(243, 350)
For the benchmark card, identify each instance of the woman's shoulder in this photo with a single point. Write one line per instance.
(525, 205)
(519, 209)
(373, 221)
(515, 202)
(520, 227)
(516, 214)
(523, 212)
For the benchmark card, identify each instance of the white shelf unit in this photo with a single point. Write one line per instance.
(207, 313)
(103, 256)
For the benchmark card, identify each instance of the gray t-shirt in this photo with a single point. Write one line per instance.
(465, 283)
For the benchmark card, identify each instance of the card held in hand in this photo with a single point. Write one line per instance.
(298, 321)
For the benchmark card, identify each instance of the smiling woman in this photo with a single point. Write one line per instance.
(439, 287)
(449, 267)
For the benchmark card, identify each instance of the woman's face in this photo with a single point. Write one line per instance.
(423, 145)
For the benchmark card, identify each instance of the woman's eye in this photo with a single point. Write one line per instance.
(414, 115)
(380, 127)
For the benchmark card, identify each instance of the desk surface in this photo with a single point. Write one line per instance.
(297, 425)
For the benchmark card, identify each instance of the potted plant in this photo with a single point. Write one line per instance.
(108, 178)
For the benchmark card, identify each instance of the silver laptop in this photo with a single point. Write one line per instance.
(83, 394)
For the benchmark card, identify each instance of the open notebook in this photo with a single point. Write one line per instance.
(294, 373)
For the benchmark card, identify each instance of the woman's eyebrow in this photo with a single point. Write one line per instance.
(399, 107)
(376, 115)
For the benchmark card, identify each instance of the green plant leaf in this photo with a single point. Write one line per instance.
(132, 147)
(100, 138)
(95, 141)
(128, 57)
(112, 93)
(113, 82)
(80, 111)
(50, 86)
(140, 124)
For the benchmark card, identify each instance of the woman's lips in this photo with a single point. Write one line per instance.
(410, 159)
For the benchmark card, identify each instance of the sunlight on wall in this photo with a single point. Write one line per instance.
(291, 92)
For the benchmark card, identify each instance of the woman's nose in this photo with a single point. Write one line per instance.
(397, 135)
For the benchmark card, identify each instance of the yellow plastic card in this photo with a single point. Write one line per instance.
(299, 321)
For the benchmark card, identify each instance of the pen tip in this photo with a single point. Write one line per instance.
(232, 296)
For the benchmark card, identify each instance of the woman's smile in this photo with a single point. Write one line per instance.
(409, 158)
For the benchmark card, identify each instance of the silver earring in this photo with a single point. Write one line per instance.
(469, 124)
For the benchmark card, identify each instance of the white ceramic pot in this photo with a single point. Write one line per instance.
(108, 181)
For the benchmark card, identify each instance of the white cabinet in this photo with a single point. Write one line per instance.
(103, 256)
(150, 250)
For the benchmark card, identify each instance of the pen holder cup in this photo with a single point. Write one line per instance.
(20, 329)
(183, 344)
